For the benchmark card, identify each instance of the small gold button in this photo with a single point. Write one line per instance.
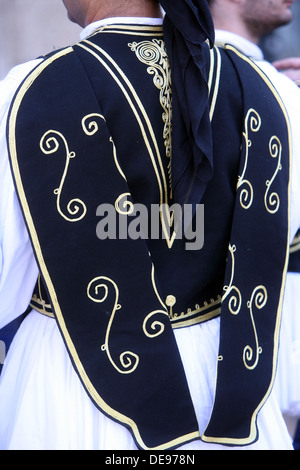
(170, 300)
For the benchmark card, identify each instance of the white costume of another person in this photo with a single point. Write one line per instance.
(287, 384)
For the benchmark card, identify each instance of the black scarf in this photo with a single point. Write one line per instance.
(187, 25)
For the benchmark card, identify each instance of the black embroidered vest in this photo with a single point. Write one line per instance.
(91, 126)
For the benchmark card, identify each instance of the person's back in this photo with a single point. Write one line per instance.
(112, 301)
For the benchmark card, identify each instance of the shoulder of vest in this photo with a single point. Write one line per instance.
(64, 71)
(57, 52)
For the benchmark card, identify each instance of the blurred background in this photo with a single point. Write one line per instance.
(30, 28)
(285, 41)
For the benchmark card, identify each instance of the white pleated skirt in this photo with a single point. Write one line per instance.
(43, 405)
(287, 383)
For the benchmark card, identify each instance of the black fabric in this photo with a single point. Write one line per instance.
(256, 266)
(187, 25)
(294, 260)
(296, 442)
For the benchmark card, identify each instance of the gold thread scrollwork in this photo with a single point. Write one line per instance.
(116, 159)
(128, 360)
(157, 326)
(153, 54)
(259, 299)
(272, 201)
(90, 126)
(49, 144)
(123, 206)
(253, 124)
(235, 301)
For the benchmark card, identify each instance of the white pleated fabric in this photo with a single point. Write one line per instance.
(43, 405)
(287, 384)
(42, 402)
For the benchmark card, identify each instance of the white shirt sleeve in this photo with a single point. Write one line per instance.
(290, 95)
(18, 269)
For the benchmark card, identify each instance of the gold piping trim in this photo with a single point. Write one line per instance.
(216, 83)
(196, 321)
(190, 317)
(130, 30)
(177, 321)
(41, 310)
(211, 70)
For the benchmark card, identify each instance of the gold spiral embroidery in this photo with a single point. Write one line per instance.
(272, 201)
(153, 54)
(253, 124)
(123, 206)
(235, 301)
(157, 326)
(259, 298)
(49, 144)
(97, 291)
(89, 126)
(128, 360)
